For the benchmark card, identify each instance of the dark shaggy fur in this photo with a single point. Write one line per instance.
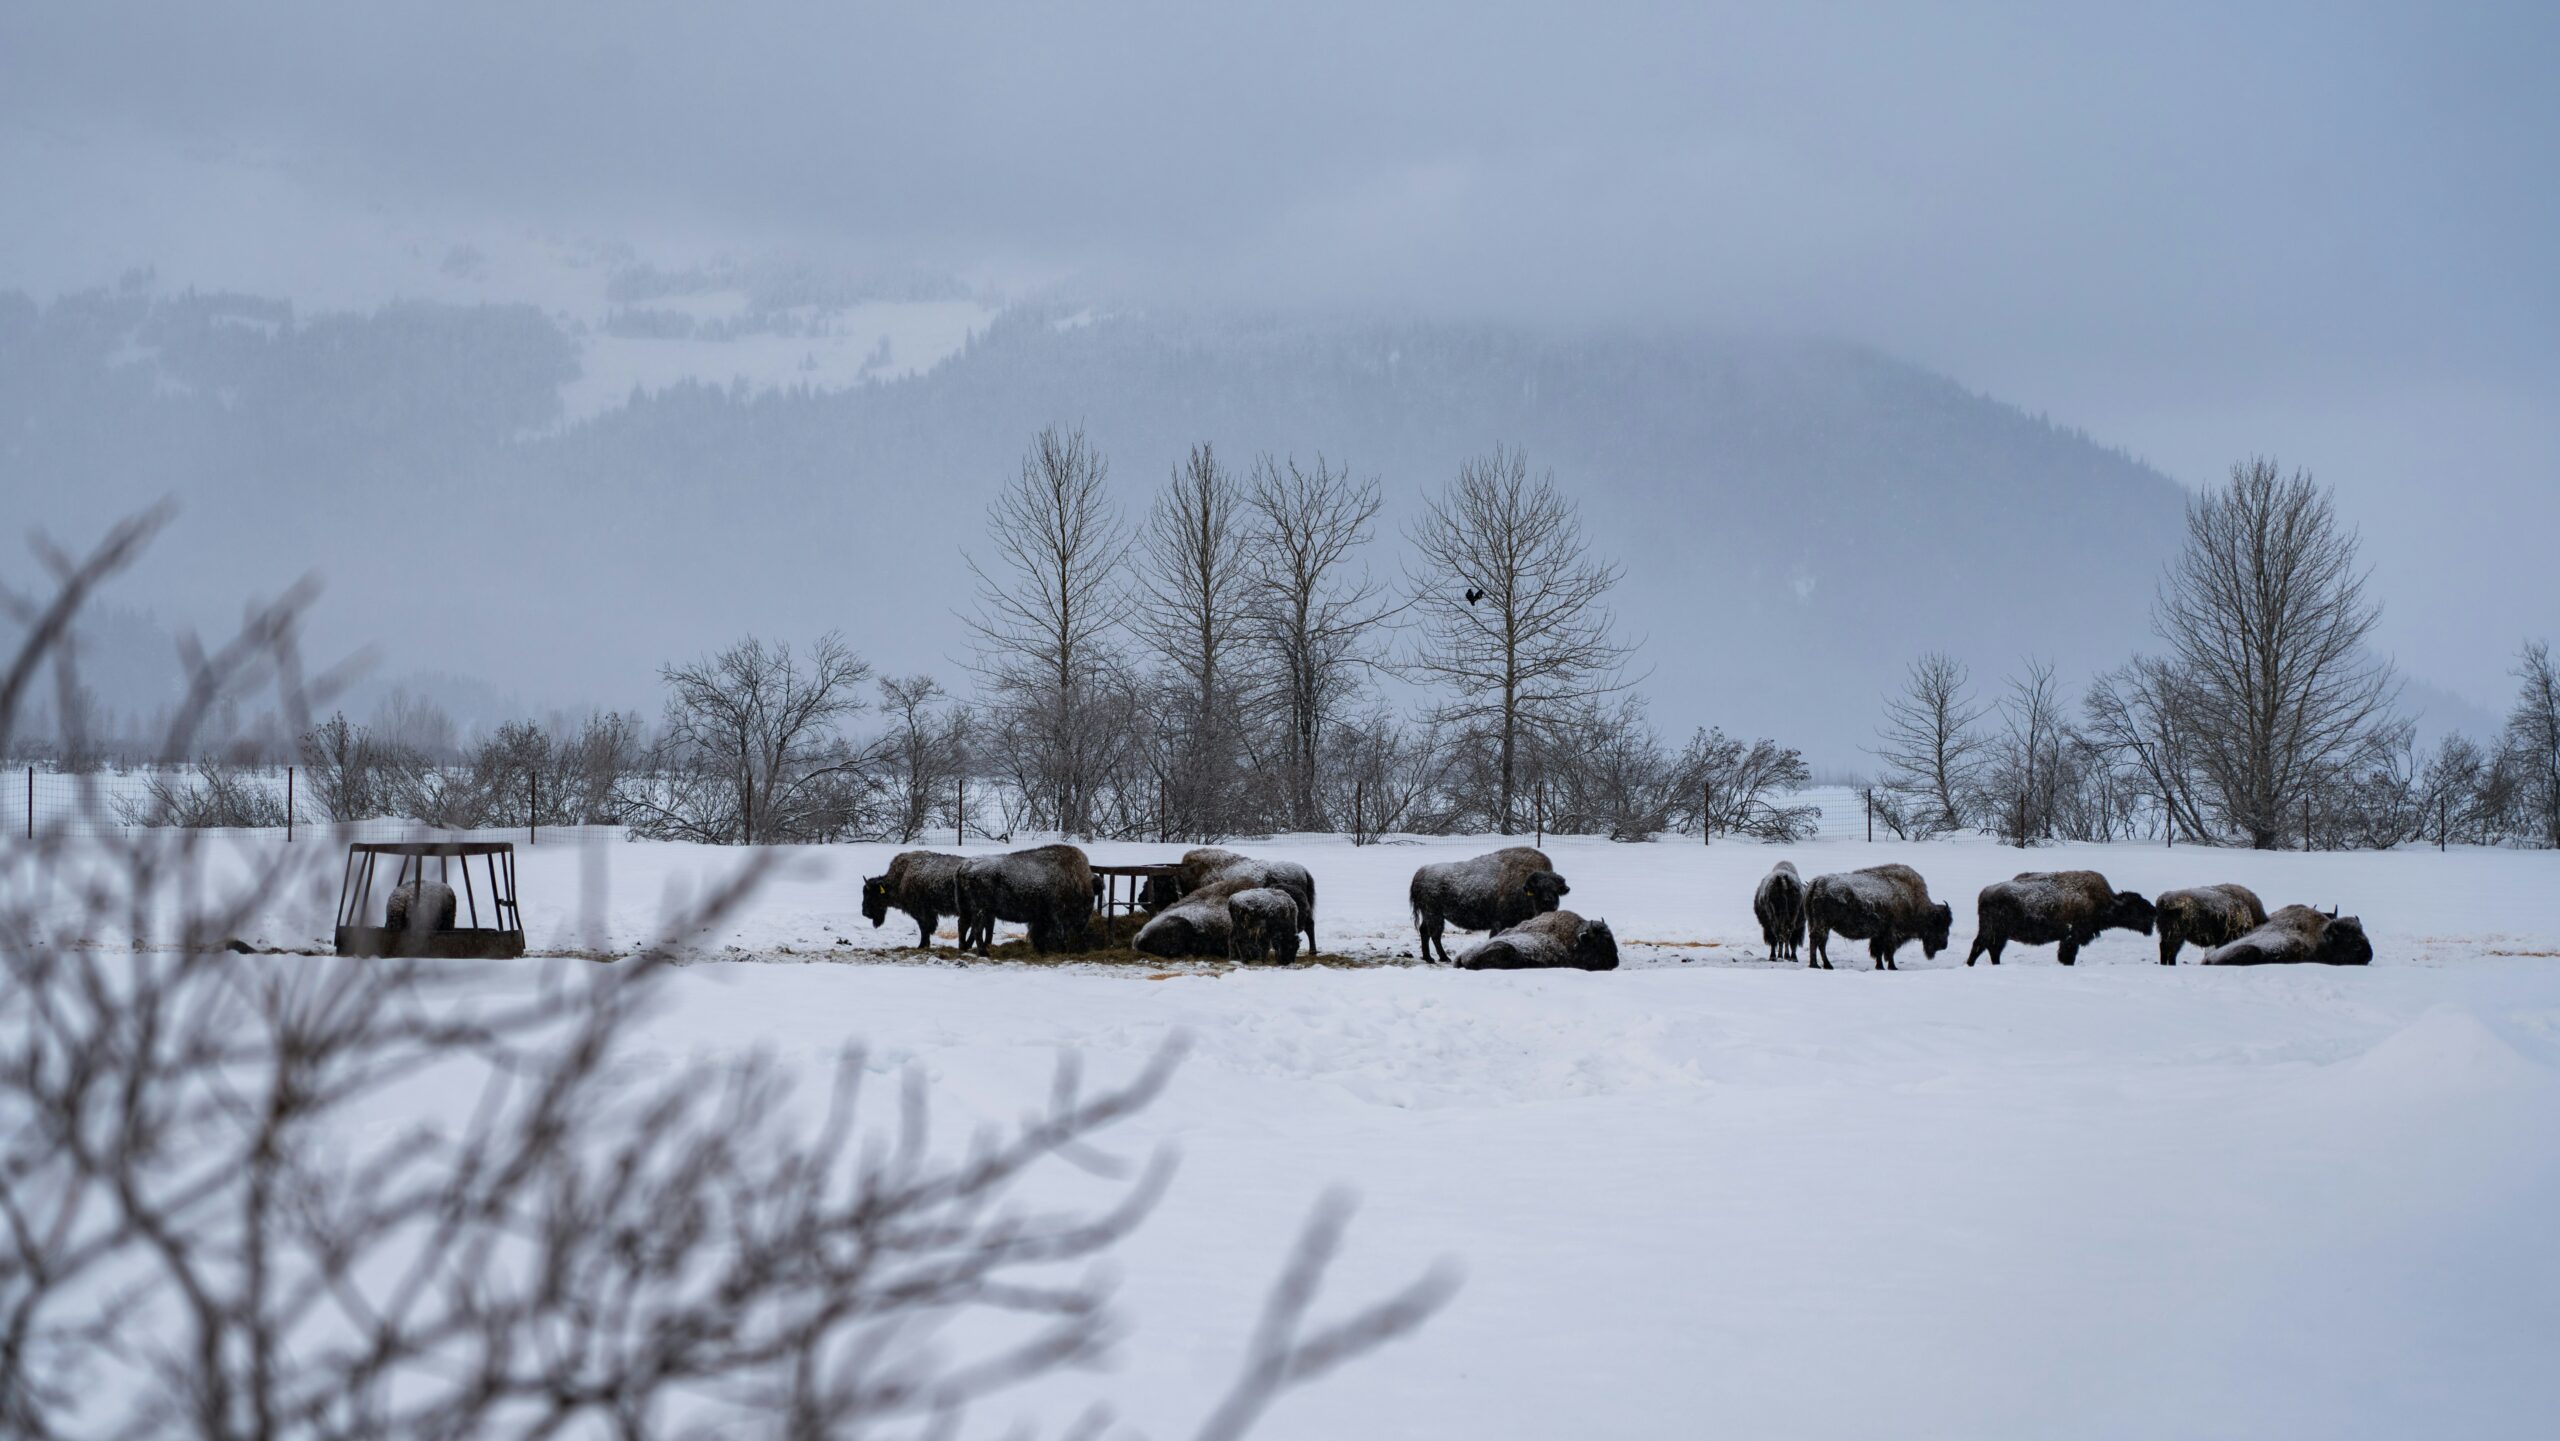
(2206, 917)
(1490, 892)
(1047, 888)
(924, 885)
(1263, 922)
(1200, 924)
(1557, 940)
(428, 905)
(1779, 903)
(1203, 864)
(1881, 905)
(2298, 934)
(2053, 908)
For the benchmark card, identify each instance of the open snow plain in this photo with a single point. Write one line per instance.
(1706, 1195)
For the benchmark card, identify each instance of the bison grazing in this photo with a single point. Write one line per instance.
(1491, 892)
(1048, 888)
(2298, 934)
(1205, 864)
(1262, 922)
(2206, 917)
(924, 885)
(1200, 924)
(1881, 905)
(2053, 908)
(427, 905)
(1556, 940)
(1779, 903)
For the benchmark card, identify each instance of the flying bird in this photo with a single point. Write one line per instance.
(1474, 595)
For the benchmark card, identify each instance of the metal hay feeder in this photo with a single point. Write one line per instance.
(361, 928)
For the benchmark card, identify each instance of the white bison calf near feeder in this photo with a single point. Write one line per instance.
(1557, 940)
(2297, 935)
(2206, 917)
(1491, 892)
(1262, 922)
(1881, 905)
(1779, 905)
(924, 885)
(2053, 908)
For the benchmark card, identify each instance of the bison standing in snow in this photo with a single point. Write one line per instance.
(1556, 940)
(1262, 922)
(2298, 934)
(1881, 905)
(924, 885)
(2206, 917)
(1779, 903)
(1047, 888)
(2053, 908)
(1490, 892)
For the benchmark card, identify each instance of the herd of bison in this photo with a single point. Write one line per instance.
(1216, 903)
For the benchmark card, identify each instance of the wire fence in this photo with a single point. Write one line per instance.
(272, 802)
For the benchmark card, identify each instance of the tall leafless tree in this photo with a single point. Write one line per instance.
(921, 753)
(2266, 612)
(2027, 754)
(1049, 602)
(2532, 741)
(1195, 572)
(2142, 716)
(752, 745)
(1515, 623)
(1931, 749)
(1316, 614)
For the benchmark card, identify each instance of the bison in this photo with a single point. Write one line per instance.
(421, 904)
(2206, 917)
(2052, 908)
(1262, 921)
(1779, 903)
(1047, 888)
(925, 885)
(1200, 924)
(1555, 940)
(1881, 905)
(1204, 864)
(2298, 934)
(1492, 892)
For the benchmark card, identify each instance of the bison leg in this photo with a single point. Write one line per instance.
(2168, 947)
(2068, 951)
(1880, 950)
(1981, 943)
(924, 928)
(1820, 955)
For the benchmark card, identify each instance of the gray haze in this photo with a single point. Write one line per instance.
(2322, 231)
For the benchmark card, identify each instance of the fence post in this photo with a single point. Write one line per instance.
(1869, 796)
(1542, 810)
(1706, 813)
(288, 805)
(31, 803)
(1359, 792)
(960, 809)
(2306, 820)
(532, 809)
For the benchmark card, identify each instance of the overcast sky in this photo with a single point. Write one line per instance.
(2325, 231)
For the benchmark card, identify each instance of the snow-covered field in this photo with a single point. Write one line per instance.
(1707, 1195)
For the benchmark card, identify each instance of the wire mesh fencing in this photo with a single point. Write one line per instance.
(273, 802)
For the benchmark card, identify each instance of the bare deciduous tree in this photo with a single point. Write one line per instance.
(923, 752)
(1315, 615)
(2532, 741)
(2266, 612)
(2027, 755)
(1514, 614)
(1931, 751)
(750, 752)
(1195, 575)
(2141, 715)
(1048, 606)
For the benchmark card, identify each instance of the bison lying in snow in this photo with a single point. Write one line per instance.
(1200, 924)
(422, 903)
(1779, 903)
(2206, 917)
(924, 885)
(1047, 888)
(2298, 933)
(1262, 922)
(1881, 905)
(1492, 892)
(1204, 864)
(1556, 940)
(2046, 908)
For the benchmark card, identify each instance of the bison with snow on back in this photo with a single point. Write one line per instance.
(1557, 940)
(1262, 921)
(1779, 903)
(1047, 888)
(2206, 917)
(2298, 934)
(1200, 924)
(1492, 892)
(421, 904)
(923, 885)
(1204, 864)
(2053, 908)
(1881, 905)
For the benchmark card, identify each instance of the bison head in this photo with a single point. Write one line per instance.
(2131, 912)
(1545, 890)
(2343, 943)
(1934, 927)
(875, 899)
(1596, 948)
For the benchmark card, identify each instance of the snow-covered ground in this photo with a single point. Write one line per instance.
(1707, 1195)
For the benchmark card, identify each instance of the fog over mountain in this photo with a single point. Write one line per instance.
(1853, 335)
